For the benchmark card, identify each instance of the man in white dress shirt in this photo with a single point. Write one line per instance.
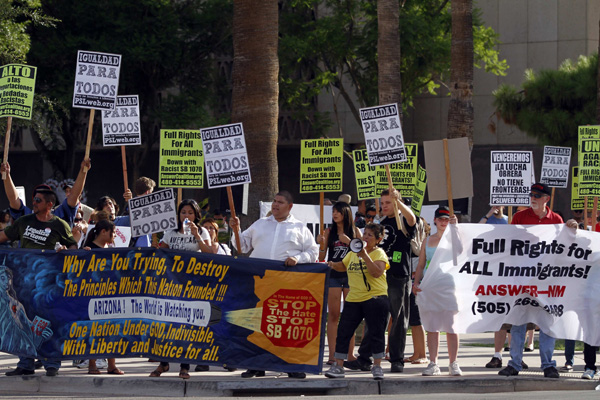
(282, 237)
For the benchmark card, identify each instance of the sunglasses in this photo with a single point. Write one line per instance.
(78, 219)
(536, 195)
(370, 216)
(37, 200)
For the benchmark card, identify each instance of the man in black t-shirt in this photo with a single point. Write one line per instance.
(397, 247)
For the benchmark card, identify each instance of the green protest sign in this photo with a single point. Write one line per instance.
(17, 86)
(181, 162)
(364, 174)
(321, 165)
(419, 191)
(589, 167)
(577, 201)
(404, 174)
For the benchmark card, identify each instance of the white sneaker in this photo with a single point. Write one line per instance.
(101, 363)
(454, 369)
(377, 372)
(431, 370)
(84, 364)
(588, 374)
(335, 372)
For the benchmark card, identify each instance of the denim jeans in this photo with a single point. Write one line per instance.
(569, 352)
(589, 356)
(374, 311)
(28, 363)
(517, 342)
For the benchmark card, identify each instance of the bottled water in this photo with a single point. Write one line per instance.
(186, 227)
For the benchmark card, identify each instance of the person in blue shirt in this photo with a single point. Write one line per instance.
(495, 216)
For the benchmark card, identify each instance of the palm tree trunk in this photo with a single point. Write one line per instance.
(256, 92)
(460, 113)
(389, 82)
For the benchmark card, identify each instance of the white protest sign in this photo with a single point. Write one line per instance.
(511, 176)
(152, 213)
(96, 80)
(121, 126)
(555, 167)
(21, 193)
(383, 134)
(225, 156)
(545, 274)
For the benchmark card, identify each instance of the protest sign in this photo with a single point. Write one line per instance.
(96, 80)
(404, 174)
(585, 132)
(514, 274)
(577, 201)
(225, 156)
(383, 134)
(321, 165)
(153, 213)
(364, 175)
(461, 174)
(510, 178)
(419, 191)
(121, 126)
(555, 167)
(181, 162)
(589, 167)
(167, 305)
(17, 87)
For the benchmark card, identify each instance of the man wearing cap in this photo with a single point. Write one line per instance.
(538, 213)
(66, 211)
(39, 230)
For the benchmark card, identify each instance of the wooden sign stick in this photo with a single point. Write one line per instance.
(389, 178)
(179, 196)
(236, 232)
(321, 228)
(552, 199)
(377, 207)
(6, 144)
(585, 213)
(510, 214)
(448, 177)
(124, 162)
(88, 142)
(594, 213)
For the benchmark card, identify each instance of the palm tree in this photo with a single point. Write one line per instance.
(460, 113)
(389, 82)
(256, 91)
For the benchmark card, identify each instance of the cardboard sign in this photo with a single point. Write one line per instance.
(321, 165)
(589, 167)
(577, 201)
(403, 174)
(383, 134)
(460, 168)
(121, 126)
(17, 87)
(510, 178)
(96, 80)
(364, 174)
(181, 162)
(419, 191)
(225, 156)
(555, 167)
(153, 213)
(586, 132)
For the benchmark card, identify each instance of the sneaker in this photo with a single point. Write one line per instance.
(524, 366)
(377, 372)
(431, 370)
(77, 362)
(85, 364)
(19, 371)
(589, 374)
(528, 349)
(397, 367)
(454, 369)
(567, 368)
(551, 372)
(101, 363)
(336, 372)
(508, 371)
(357, 365)
(51, 371)
(495, 362)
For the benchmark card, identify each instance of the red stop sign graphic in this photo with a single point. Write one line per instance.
(290, 318)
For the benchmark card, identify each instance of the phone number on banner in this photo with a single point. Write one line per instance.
(322, 186)
(180, 182)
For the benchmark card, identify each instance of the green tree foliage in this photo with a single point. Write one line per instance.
(332, 44)
(167, 50)
(552, 103)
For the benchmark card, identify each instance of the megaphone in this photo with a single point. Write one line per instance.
(356, 245)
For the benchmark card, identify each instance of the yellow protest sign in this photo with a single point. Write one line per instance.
(181, 162)
(364, 174)
(404, 174)
(321, 165)
(17, 87)
(577, 201)
(419, 191)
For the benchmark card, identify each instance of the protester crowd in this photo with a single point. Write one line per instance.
(376, 269)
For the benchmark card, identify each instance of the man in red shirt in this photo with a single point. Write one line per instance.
(538, 213)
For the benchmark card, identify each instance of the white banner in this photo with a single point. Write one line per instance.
(225, 156)
(121, 126)
(96, 80)
(153, 213)
(545, 274)
(555, 167)
(511, 177)
(383, 134)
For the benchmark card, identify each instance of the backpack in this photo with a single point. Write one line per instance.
(418, 235)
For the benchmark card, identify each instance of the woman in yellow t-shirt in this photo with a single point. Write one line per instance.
(366, 300)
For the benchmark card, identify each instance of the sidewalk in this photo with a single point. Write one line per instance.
(219, 382)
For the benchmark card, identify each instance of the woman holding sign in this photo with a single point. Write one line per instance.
(441, 220)
(334, 243)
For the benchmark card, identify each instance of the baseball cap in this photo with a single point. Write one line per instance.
(541, 188)
(442, 212)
